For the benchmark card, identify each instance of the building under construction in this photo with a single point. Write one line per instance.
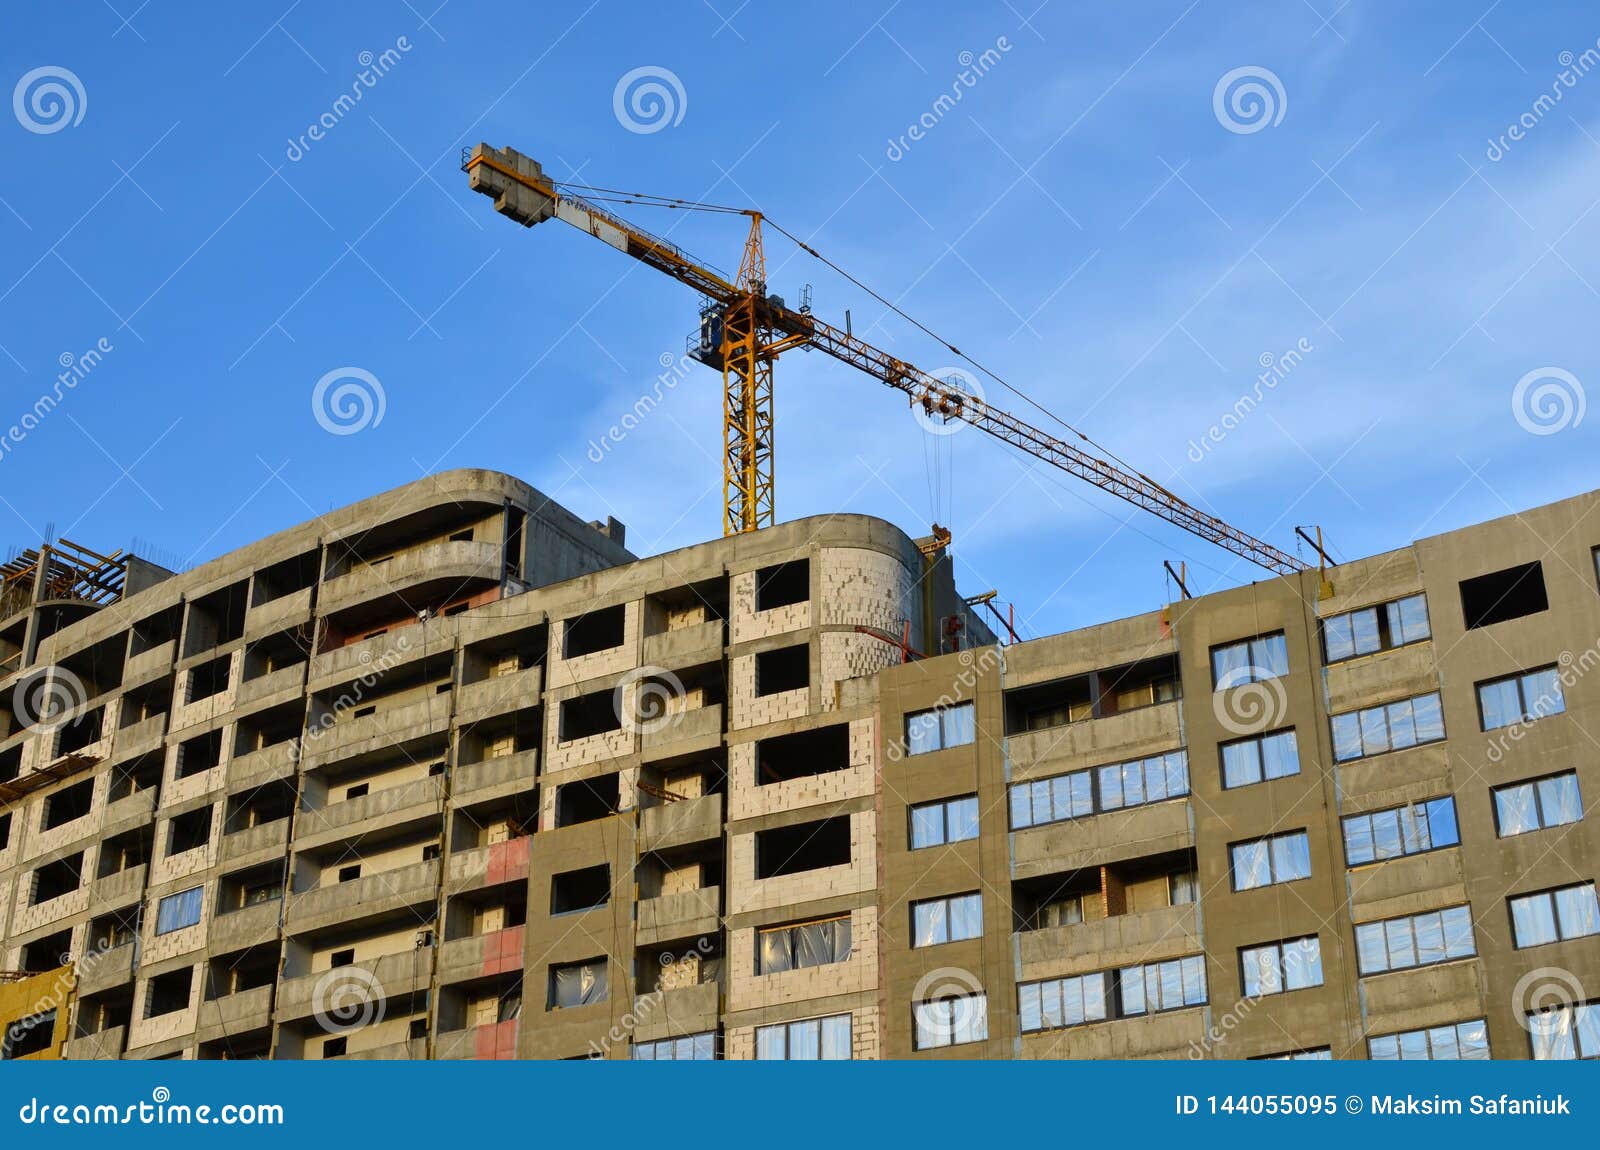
(449, 773)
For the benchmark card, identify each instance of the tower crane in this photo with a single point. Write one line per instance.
(743, 330)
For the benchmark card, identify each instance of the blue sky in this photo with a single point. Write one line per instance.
(1085, 221)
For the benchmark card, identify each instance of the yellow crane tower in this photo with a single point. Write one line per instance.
(743, 329)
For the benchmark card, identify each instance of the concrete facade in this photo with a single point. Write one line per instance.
(451, 774)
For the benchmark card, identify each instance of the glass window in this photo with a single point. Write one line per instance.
(1279, 858)
(1377, 628)
(1260, 759)
(1548, 916)
(1550, 802)
(1566, 1031)
(804, 945)
(947, 821)
(1462, 1041)
(691, 1048)
(1415, 940)
(939, 920)
(1249, 661)
(951, 1021)
(940, 727)
(1082, 793)
(1183, 888)
(1401, 831)
(177, 911)
(1159, 986)
(1275, 967)
(1058, 1002)
(809, 1040)
(1521, 698)
(1389, 727)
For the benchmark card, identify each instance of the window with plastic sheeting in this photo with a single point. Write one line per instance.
(1079, 794)
(1555, 915)
(1058, 1002)
(809, 1040)
(1260, 759)
(1408, 830)
(1266, 862)
(1415, 940)
(803, 945)
(177, 911)
(938, 920)
(1566, 1032)
(951, 1021)
(1161, 986)
(1249, 661)
(1520, 698)
(946, 821)
(939, 728)
(578, 984)
(690, 1048)
(1389, 727)
(1549, 802)
(1458, 1042)
(1372, 629)
(1276, 967)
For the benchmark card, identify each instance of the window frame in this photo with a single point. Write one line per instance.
(1427, 821)
(1556, 917)
(1520, 678)
(821, 1022)
(1427, 1033)
(1251, 662)
(1383, 709)
(832, 919)
(1097, 790)
(653, 1045)
(945, 904)
(1534, 788)
(1410, 921)
(1257, 742)
(199, 909)
(967, 713)
(943, 806)
(1281, 964)
(1267, 842)
(949, 1026)
(1576, 1027)
(1384, 618)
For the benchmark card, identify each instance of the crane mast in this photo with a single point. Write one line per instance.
(743, 330)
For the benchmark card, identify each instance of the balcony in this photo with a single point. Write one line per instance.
(687, 647)
(130, 811)
(396, 974)
(102, 970)
(337, 902)
(255, 768)
(394, 648)
(490, 865)
(672, 1013)
(248, 926)
(286, 682)
(139, 738)
(683, 733)
(463, 959)
(117, 890)
(1407, 885)
(387, 727)
(449, 563)
(1171, 1035)
(1099, 840)
(676, 824)
(235, 1014)
(488, 1042)
(1102, 943)
(687, 914)
(1424, 996)
(105, 1046)
(391, 807)
(146, 664)
(256, 844)
(492, 778)
(498, 695)
(278, 614)
(1089, 742)
(408, 1050)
